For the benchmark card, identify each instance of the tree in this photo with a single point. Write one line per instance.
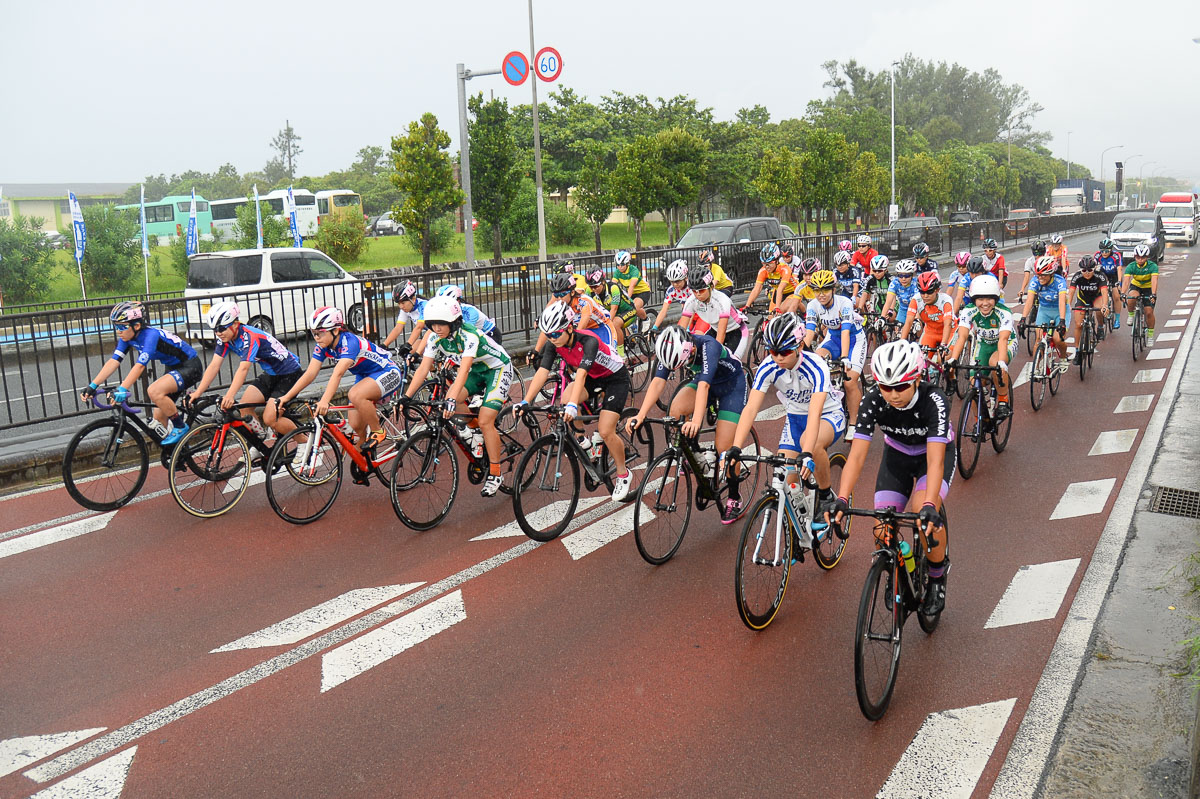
(778, 181)
(923, 181)
(287, 144)
(342, 238)
(425, 175)
(26, 260)
(869, 184)
(684, 158)
(113, 251)
(594, 189)
(826, 161)
(494, 172)
(640, 182)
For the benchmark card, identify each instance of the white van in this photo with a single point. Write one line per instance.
(276, 289)
(1180, 214)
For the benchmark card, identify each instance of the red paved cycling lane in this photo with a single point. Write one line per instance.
(598, 676)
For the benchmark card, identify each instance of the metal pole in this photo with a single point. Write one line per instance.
(537, 144)
(1102, 152)
(1141, 186)
(465, 164)
(893, 74)
(1127, 160)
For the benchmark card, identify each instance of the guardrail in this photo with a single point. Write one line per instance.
(48, 353)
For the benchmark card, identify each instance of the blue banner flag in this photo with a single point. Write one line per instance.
(142, 218)
(257, 218)
(80, 237)
(292, 218)
(192, 249)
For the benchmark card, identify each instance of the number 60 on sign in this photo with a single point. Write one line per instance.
(548, 64)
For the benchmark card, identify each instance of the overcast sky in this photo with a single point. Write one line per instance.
(115, 91)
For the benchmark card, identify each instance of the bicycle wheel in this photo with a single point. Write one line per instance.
(395, 434)
(103, 470)
(962, 374)
(1085, 340)
(1001, 430)
(763, 564)
(828, 546)
(1093, 337)
(1038, 377)
(209, 469)
(758, 349)
(929, 622)
(546, 488)
(877, 639)
(1031, 335)
(639, 361)
(660, 517)
(970, 434)
(639, 450)
(304, 475)
(1054, 377)
(424, 480)
(751, 477)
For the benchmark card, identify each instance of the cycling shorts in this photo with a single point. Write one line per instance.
(832, 343)
(388, 381)
(983, 353)
(1144, 293)
(931, 337)
(186, 375)
(615, 388)
(730, 398)
(1083, 302)
(274, 385)
(1048, 314)
(795, 424)
(628, 318)
(644, 296)
(491, 384)
(901, 475)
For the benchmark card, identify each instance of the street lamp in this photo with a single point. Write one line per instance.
(1102, 152)
(1069, 132)
(1141, 188)
(892, 211)
(1127, 160)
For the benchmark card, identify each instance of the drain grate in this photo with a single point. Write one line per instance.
(1176, 502)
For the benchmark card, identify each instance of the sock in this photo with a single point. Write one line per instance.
(1150, 332)
(177, 419)
(623, 476)
(494, 469)
(1002, 398)
(825, 494)
(937, 570)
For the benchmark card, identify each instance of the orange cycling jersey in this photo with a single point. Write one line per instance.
(1059, 251)
(597, 314)
(935, 318)
(772, 279)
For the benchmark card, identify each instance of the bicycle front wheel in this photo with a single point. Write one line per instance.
(546, 488)
(304, 475)
(764, 562)
(877, 639)
(1001, 430)
(1085, 340)
(424, 480)
(1038, 376)
(970, 434)
(1054, 377)
(828, 546)
(209, 470)
(105, 464)
(660, 517)
(639, 361)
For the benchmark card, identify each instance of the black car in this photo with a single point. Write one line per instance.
(1131, 228)
(902, 234)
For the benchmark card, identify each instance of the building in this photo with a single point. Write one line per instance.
(49, 200)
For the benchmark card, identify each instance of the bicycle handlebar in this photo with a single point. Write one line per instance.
(125, 406)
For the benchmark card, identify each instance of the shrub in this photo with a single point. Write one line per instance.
(113, 250)
(342, 238)
(566, 226)
(26, 260)
(275, 231)
(441, 233)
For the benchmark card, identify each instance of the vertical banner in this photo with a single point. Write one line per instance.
(80, 237)
(192, 249)
(291, 202)
(257, 218)
(145, 240)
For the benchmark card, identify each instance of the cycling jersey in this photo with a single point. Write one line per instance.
(599, 314)
(877, 288)
(862, 258)
(610, 294)
(987, 329)
(473, 316)
(1048, 294)
(1087, 289)
(904, 295)
(926, 418)
(1139, 274)
(772, 277)
(712, 364)
(934, 317)
(156, 344)
(1059, 251)
(839, 314)
(470, 343)
(995, 265)
(797, 385)
(676, 295)
(586, 351)
(930, 265)
(957, 279)
(1109, 264)
(631, 278)
(417, 314)
(718, 307)
(848, 278)
(255, 346)
(805, 293)
(721, 281)
(369, 360)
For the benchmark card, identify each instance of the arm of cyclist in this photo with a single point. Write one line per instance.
(235, 385)
(107, 369)
(691, 428)
(753, 295)
(310, 374)
(458, 387)
(935, 460)
(908, 319)
(808, 440)
(754, 403)
(331, 387)
(574, 395)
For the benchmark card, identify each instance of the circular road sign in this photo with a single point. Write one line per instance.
(515, 68)
(548, 64)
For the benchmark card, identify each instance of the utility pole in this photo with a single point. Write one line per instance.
(893, 212)
(537, 144)
(465, 75)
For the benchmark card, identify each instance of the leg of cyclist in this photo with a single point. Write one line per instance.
(363, 418)
(160, 393)
(494, 393)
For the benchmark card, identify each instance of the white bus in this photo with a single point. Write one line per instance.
(224, 216)
(225, 211)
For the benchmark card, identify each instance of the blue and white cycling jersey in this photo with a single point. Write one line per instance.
(904, 295)
(477, 319)
(839, 314)
(369, 359)
(256, 346)
(1048, 294)
(156, 344)
(796, 386)
(849, 279)
(416, 315)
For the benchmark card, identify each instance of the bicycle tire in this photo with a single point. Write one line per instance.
(209, 470)
(877, 640)
(760, 584)
(639, 359)
(663, 508)
(1001, 430)
(545, 457)
(1038, 377)
(1093, 338)
(962, 374)
(293, 489)
(109, 483)
(970, 418)
(758, 350)
(828, 550)
(639, 449)
(1082, 349)
(1054, 378)
(929, 622)
(419, 476)
(1031, 335)
(1135, 333)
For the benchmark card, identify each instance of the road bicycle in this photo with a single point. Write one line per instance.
(977, 420)
(1044, 371)
(778, 531)
(757, 350)
(961, 382)
(661, 517)
(895, 587)
(442, 375)
(107, 460)
(546, 486)
(424, 481)
(639, 355)
(1137, 330)
(1089, 334)
(936, 374)
(1025, 328)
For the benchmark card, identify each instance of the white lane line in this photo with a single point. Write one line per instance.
(546, 515)
(1134, 403)
(1175, 323)
(1023, 377)
(1113, 441)
(771, 413)
(15, 546)
(1185, 303)
(1149, 375)
(1181, 312)
(1188, 296)
(105, 780)
(1163, 338)
(79, 515)
(949, 753)
(608, 529)
(1160, 355)
(18, 753)
(378, 646)
(1083, 499)
(1035, 594)
(309, 622)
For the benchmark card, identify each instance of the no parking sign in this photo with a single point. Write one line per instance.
(515, 68)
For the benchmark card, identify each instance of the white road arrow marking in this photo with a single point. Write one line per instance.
(596, 535)
(15, 546)
(17, 753)
(541, 516)
(1035, 594)
(956, 744)
(105, 780)
(378, 646)
(319, 618)
(1083, 499)
(1023, 377)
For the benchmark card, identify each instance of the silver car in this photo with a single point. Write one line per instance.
(1131, 228)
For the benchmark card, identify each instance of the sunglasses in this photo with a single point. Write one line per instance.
(316, 333)
(120, 328)
(1087, 269)
(558, 294)
(221, 328)
(780, 353)
(861, 246)
(894, 389)
(929, 291)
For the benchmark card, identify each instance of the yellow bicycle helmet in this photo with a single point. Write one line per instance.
(822, 281)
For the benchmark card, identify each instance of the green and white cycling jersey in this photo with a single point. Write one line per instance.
(470, 343)
(987, 328)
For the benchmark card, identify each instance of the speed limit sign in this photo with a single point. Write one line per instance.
(548, 64)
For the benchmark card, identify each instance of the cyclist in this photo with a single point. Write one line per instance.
(843, 338)
(864, 254)
(620, 307)
(994, 262)
(721, 281)
(1110, 264)
(789, 259)
(849, 277)
(472, 315)
(802, 293)
(152, 344)
(847, 246)
(629, 275)
(774, 275)
(1140, 282)
(717, 379)
(1050, 289)
(935, 311)
(922, 259)
(715, 309)
(1058, 250)
(995, 333)
(901, 291)
(1089, 289)
(589, 313)
(917, 463)
(814, 420)
(567, 267)
(280, 367)
(484, 369)
(962, 297)
(376, 376)
(875, 286)
(676, 274)
(412, 309)
(598, 370)
(1038, 249)
(959, 278)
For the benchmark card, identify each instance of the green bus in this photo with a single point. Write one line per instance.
(168, 217)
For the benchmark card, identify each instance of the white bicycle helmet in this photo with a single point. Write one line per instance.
(985, 286)
(863, 238)
(450, 290)
(674, 347)
(906, 267)
(443, 309)
(1141, 251)
(555, 319)
(881, 263)
(1056, 238)
(897, 362)
(677, 270)
(222, 314)
(841, 257)
(622, 258)
(326, 318)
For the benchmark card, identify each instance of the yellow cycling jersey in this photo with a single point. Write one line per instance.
(631, 279)
(721, 280)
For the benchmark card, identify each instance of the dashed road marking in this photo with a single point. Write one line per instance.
(15, 546)
(547, 514)
(1181, 312)
(597, 534)
(1023, 377)
(1113, 441)
(1185, 303)
(1083, 499)
(1175, 323)
(773, 412)
(105, 780)
(17, 753)
(1134, 403)
(1163, 338)
(1035, 594)
(1160, 355)
(1149, 375)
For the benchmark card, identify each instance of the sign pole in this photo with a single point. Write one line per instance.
(465, 164)
(537, 151)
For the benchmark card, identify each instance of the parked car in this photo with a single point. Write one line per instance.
(385, 225)
(1015, 225)
(738, 241)
(1131, 228)
(963, 217)
(276, 289)
(907, 231)
(58, 241)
